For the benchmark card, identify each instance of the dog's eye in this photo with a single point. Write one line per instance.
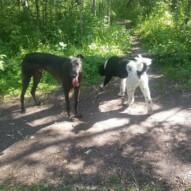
(77, 64)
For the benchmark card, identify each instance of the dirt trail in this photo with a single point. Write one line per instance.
(109, 146)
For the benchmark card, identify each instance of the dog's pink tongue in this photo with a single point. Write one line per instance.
(75, 82)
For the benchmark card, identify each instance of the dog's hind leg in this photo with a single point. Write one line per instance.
(36, 79)
(146, 92)
(25, 84)
(132, 84)
(122, 87)
(130, 94)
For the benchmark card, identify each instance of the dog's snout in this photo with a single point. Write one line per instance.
(74, 74)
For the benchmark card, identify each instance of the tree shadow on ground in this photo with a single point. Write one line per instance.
(103, 146)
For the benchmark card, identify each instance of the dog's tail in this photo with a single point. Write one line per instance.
(101, 69)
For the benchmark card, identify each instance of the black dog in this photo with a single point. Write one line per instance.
(115, 66)
(67, 71)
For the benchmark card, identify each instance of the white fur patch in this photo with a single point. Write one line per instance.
(105, 64)
(133, 81)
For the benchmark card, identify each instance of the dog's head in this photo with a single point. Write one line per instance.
(140, 65)
(75, 68)
(143, 60)
(101, 69)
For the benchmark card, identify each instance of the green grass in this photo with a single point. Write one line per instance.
(160, 35)
(96, 48)
(114, 186)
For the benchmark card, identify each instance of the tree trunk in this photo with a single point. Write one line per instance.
(44, 12)
(37, 13)
(1, 5)
(94, 7)
(25, 5)
(187, 13)
(109, 12)
(81, 16)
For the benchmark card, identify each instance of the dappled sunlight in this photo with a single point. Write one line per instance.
(139, 109)
(45, 120)
(175, 114)
(155, 76)
(109, 124)
(110, 139)
(30, 111)
(110, 105)
(76, 165)
(108, 146)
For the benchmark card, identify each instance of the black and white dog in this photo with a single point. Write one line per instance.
(132, 73)
(114, 67)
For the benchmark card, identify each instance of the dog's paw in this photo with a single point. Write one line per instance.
(73, 117)
(38, 103)
(23, 111)
(121, 94)
(78, 116)
(150, 112)
(124, 101)
(101, 87)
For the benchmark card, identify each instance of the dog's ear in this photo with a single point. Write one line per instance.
(140, 56)
(70, 58)
(80, 56)
(137, 58)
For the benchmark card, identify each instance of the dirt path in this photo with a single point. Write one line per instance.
(110, 146)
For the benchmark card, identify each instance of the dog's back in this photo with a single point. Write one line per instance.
(115, 66)
(44, 61)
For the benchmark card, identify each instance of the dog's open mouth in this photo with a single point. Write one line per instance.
(75, 81)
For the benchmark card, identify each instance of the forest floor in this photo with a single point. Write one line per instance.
(109, 148)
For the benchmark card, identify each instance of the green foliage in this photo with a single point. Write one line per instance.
(113, 183)
(157, 28)
(161, 34)
(97, 44)
(10, 77)
(41, 187)
(2, 56)
(62, 28)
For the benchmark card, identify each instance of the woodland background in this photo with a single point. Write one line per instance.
(97, 29)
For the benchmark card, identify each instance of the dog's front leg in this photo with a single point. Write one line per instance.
(76, 100)
(67, 101)
(122, 87)
(146, 92)
(131, 85)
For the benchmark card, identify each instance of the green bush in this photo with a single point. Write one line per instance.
(96, 47)
(162, 34)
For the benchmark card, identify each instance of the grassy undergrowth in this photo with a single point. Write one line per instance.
(168, 38)
(110, 41)
(112, 184)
